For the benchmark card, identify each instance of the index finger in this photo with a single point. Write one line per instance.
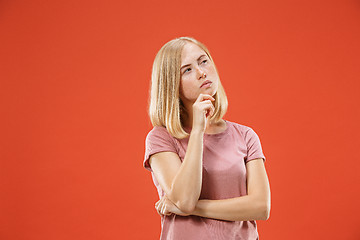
(203, 96)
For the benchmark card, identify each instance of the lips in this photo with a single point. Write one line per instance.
(206, 82)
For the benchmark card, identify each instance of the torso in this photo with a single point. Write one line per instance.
(225, 152)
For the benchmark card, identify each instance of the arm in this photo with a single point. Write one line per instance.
(181, 182)
(254, 206)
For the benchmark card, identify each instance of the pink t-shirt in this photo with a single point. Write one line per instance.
(224, 176)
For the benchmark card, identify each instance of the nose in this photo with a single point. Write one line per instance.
(201, 73)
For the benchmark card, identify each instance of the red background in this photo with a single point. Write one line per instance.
(74, 86)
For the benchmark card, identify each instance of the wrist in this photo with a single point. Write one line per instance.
(197, 131)
(199, 208)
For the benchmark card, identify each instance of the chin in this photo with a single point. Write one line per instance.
(213, 92)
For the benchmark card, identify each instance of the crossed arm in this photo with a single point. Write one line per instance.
(254, 206)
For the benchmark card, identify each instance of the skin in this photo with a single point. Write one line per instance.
(196, 68)
(181, 181)
(254, 206)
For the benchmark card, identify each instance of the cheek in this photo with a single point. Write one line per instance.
(185, 81)
(212, 70)
(183, 85)
(187, 87)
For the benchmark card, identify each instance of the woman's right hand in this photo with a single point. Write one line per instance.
(165, 207)
(203, 109)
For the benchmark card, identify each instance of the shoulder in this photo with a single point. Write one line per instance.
(159, 133)
(158, 130)
(247, 133)
(240, 128)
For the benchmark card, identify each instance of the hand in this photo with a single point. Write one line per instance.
(203, 109)
(165, 207)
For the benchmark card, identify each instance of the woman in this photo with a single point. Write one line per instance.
(209, 172)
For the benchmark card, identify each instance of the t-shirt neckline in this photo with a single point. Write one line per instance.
(188, 130)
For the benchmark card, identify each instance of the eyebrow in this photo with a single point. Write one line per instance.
(196, 60)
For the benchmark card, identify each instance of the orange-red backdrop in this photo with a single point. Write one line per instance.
(74, 86)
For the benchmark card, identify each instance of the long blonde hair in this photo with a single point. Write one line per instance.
(165, 106)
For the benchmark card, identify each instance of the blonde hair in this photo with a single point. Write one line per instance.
(165, 106)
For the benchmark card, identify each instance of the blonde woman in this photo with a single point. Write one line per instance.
(209, 172)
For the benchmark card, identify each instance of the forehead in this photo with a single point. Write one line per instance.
(191, 52)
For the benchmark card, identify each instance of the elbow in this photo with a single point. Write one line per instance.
(261, 208)
(262, 204)
(264, 211)
(185, 205)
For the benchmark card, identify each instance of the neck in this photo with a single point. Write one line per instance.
(187, 119)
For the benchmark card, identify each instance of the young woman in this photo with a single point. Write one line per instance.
(209, 172)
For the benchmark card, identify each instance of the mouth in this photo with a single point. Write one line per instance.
(206, 83)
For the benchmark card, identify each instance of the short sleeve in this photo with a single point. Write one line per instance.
(253, 144)
(158, 140)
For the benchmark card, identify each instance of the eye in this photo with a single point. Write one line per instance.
(205, 61)
(187, 70)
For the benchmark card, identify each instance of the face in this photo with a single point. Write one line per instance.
(194, 63)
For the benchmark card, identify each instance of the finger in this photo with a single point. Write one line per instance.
(163, 210)
(206, 105)
(206, 96)
(158, 202)
(167, 209)
(159, 205)
(209, 109)
(159, 213)
(158, 209)
(202, 97)
(213, 110)
(208, 101)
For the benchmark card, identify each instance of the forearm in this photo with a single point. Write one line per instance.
(243, 208)
(186, 186)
